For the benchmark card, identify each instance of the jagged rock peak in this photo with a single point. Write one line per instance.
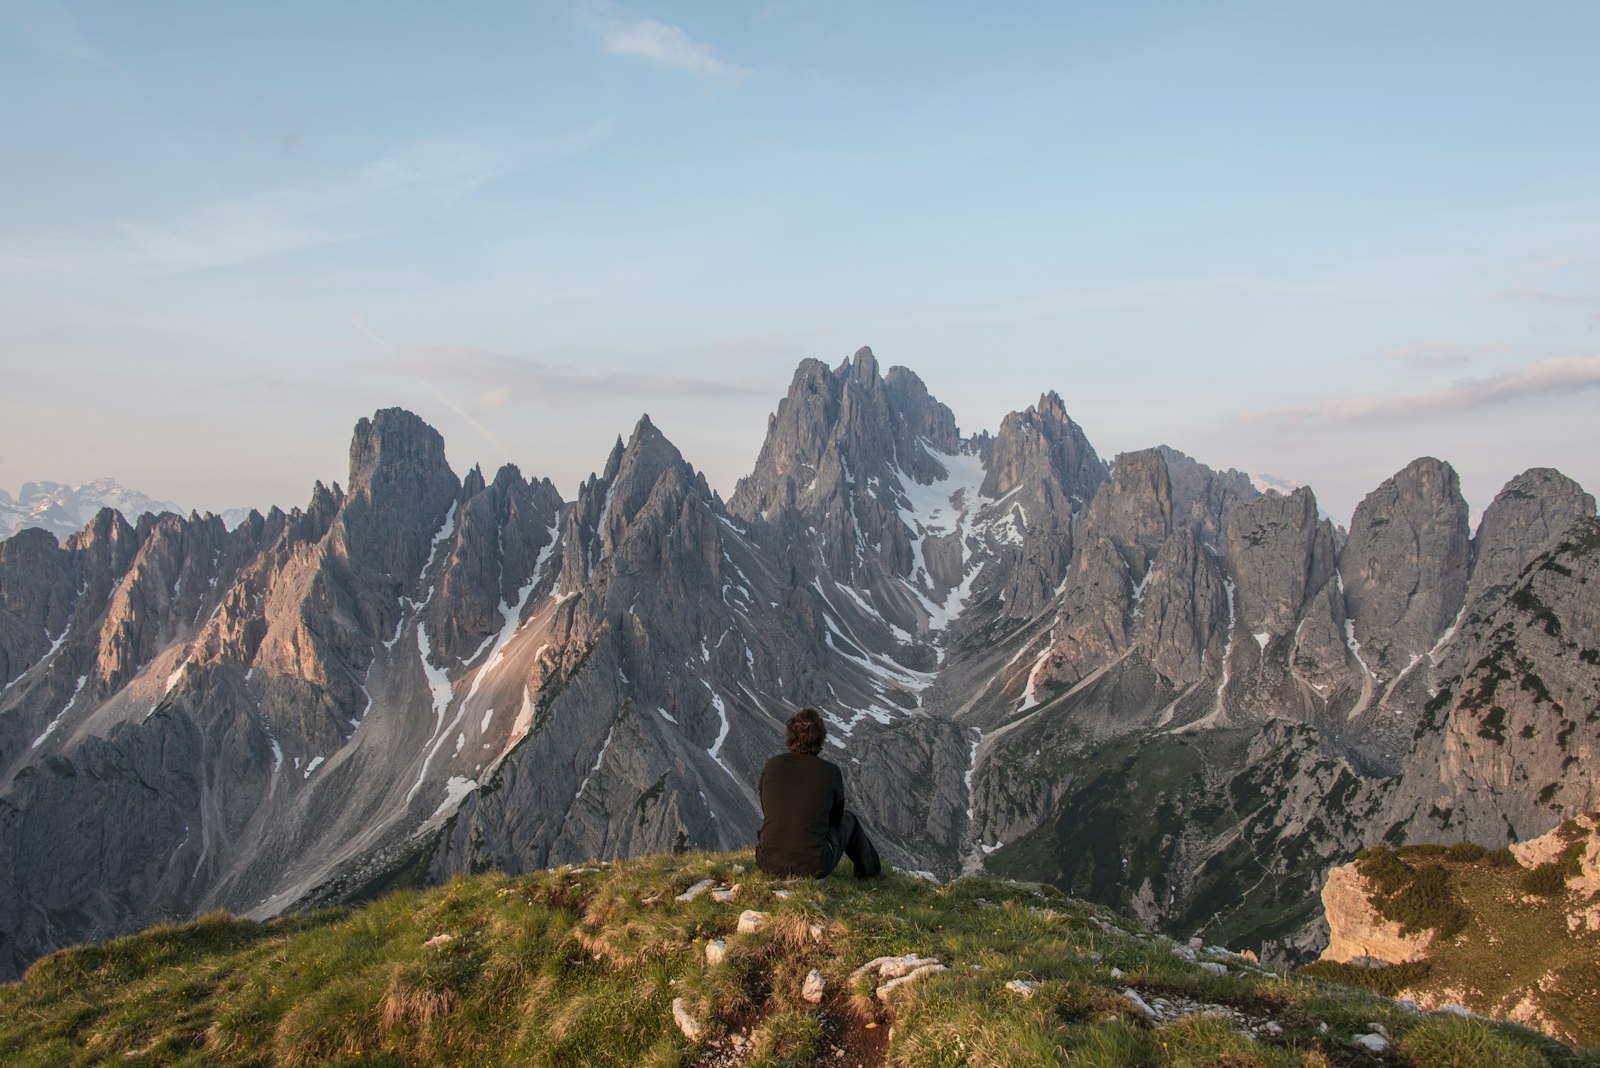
(922, 415)
(1405, 563)
(401, 490)
(107, 526)
(473, 484)
(393, 440)
(648, 454)
(862, 367)
(1043, 441)
(1527, 516)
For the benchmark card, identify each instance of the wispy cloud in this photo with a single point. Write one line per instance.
(371, 198)
(419, 373)
(499, 379)
(1554, 377)
(1433, 355)
(1544, 296)
(622, 33)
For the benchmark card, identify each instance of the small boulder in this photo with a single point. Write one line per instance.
(751, 921)
(1372, 1043)
(716, 952)
(696, 890)
(691, 1028)
(813, 987)
(1023, 987)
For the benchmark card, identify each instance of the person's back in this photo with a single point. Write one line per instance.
(802, 797)
(805, 827)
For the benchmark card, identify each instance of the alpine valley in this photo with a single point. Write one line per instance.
(1143, 680)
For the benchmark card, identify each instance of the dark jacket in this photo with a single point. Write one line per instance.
(802, 805)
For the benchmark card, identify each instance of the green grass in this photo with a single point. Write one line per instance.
(581, 966)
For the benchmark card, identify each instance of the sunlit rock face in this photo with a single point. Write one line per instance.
(1144, 680)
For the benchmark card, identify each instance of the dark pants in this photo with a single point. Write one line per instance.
(849, 839)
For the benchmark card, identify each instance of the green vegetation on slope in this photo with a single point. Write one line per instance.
(1510, 941)
(1418, 898)
(582, 966)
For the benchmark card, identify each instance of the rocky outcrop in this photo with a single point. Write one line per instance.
(1357, 933)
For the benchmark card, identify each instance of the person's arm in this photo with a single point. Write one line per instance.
(836, 812)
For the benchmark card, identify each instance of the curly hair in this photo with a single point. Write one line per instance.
(806, 732)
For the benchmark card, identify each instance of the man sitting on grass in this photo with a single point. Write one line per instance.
(805, 827)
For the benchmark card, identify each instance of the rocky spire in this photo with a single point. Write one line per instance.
(401, 489)
(1405, 564)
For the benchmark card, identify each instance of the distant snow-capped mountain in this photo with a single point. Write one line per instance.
(64, 510)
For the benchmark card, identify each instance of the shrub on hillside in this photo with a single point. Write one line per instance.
(1547, 880)
(1428, 902)
(1465, 852)
(1500, 858)
(1384, 869)
(1388, 980)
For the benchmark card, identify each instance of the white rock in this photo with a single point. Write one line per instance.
(1117, 973)
(781, 895)
(723, 894)
(751, 921)
(685, 1020)
(716, 952)
(1372, 1043)
(813, 987)
(817, 931)
(910, 977)
(1377, 1028)
(697, 889)
(1138, 1002)
(1455, 1010)
(439, 940)
(905, 965)
(1023, 987)
(1213, 967)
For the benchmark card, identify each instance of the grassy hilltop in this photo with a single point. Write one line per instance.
(587, 965)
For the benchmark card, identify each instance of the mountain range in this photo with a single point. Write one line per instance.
(1145, 681)
(64, 510)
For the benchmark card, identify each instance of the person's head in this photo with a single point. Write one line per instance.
(806, 732)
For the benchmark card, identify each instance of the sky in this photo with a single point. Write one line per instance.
(1308, 240)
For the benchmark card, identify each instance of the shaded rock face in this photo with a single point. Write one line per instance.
(1043, 470)
(1508, 748)
(1405, 565)
(1146, 682)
